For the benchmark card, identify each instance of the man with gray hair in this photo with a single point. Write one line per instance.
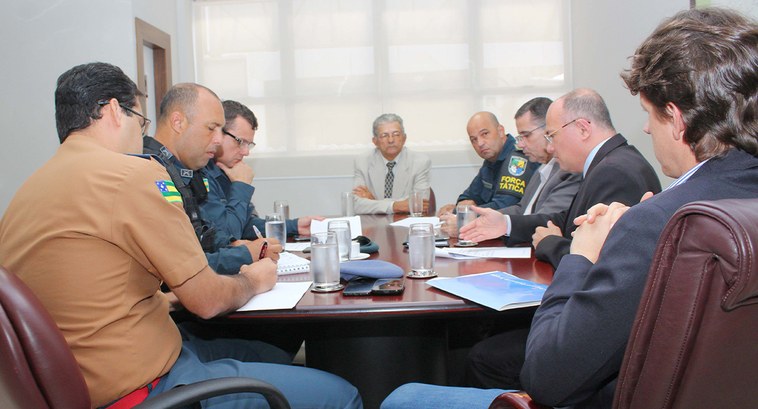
(385, 178)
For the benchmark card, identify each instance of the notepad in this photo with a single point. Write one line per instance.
(291, 264)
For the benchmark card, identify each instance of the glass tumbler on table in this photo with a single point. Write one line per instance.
(342, 229)
(421, 250)
(325, 263)
(465, 216)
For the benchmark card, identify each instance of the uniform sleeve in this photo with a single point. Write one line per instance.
(229, 260)
(579, 333)
(153, 226)
(229, 213)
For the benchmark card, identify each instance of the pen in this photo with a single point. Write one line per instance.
(257, 232)
(263, 250)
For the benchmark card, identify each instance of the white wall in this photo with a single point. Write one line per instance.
(41, 39)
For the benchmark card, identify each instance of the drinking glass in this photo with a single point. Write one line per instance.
(347, 204)
(281, 206)
(416, 202)
(342, 229)
(421, 250)
(276, 227)
(465, 216)
(325, 263)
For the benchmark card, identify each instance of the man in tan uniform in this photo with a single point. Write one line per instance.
(97, 254)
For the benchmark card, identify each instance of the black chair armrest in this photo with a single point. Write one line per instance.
(184, 395)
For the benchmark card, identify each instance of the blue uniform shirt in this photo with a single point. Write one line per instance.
(229, 208)
(501, 183)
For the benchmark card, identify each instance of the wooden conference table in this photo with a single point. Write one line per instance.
(380, 342)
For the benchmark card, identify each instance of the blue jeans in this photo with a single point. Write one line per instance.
(303, 387)
(423, 396)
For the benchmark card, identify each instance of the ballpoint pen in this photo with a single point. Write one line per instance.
(265, 243)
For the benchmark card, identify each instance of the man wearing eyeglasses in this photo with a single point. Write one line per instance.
(188, 135)
(550, 189)
(582, 138)
(504, 175)
(230, 190)
(384, 179)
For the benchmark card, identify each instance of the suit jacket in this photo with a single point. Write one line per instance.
(411, 173)
(618, 173)
(580, 331)
(556, 196)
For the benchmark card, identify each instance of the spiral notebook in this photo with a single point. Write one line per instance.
(290, 264)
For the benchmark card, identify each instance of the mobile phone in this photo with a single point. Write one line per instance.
(388, 286)
(302, 238)
(359, 286)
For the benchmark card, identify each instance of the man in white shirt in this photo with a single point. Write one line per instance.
(385, 178)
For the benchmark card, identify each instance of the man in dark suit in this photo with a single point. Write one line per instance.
(705, 134)
(582, 139)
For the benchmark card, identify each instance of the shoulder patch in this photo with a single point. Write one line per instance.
(168, 190)
(517, 166)
(207, 186)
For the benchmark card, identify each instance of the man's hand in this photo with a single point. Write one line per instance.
(254, 247)
(304, 224)
(363, 192)
(489, 225)
(589, 237)
(449, 224)
(261, 275)
(241, 172)
(401, 206)
(446, 209)
(542, 232)
(600, 209)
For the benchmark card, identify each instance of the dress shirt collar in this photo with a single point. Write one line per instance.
(591, 156)
(681, 179)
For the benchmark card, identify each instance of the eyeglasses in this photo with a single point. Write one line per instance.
(144, 121)
(386, 135)
(525, 135)
(241, 142)
(550, 135)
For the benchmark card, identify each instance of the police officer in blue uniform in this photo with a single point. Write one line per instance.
(505, 172)
(188, 133)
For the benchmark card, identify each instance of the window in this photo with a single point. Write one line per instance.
(317, 72)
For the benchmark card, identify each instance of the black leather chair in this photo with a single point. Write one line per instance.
(694, 341)
(38, 370)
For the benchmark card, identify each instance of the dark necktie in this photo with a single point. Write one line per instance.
(388, 180)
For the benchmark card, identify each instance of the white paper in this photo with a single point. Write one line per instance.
(283, 296)
(408, 221)
(489, 252)
(323, 225)
(444, 253)
(298, 246)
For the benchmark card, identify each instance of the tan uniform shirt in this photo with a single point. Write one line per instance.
(93, 236)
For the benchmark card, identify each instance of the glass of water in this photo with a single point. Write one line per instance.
(276, 227)
(421, 250)
(325, 263)
(465, 216)
(281, 206)
(416, 202)
(342, 229)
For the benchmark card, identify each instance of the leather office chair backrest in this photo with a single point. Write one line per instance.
(432, 203)
(37, 369)
(694, 341)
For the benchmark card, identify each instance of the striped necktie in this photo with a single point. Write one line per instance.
(389, 180)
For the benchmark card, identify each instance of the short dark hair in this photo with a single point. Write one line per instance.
(182, 97)
(537, 106)
(79, 90)
(233, 109)
(704, 62)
